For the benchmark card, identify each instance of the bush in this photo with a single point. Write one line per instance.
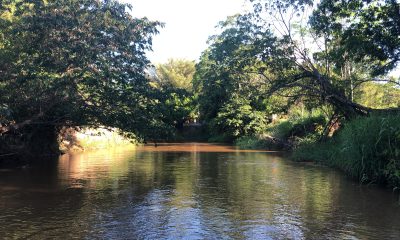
(238, 118)
(255, 142)
(308, 128)
(367, 148)
(281, 129)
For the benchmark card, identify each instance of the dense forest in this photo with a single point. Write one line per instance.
(314, 77)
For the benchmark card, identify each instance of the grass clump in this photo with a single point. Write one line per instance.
(256, 142)
(367, 148)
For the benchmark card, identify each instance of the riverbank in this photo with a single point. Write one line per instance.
(366, 148)
(16, 152)
(84, 139)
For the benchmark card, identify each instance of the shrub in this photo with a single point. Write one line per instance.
(308, 128)
(367, 148)
(256, 142)
(238, 118)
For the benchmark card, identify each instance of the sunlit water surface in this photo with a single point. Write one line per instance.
(190, 191)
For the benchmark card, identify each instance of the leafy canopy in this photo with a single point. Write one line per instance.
(177, 73)
(75, 62)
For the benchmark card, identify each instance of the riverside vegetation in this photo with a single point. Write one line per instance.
(319, 84)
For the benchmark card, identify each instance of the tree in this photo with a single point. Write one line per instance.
(308, 70)
(368, 30)
(177, 73)
(378, 95)
(179, 106)
(174, 82)
(277, 51)
(71, 63)
(227, 79)
(238, 118)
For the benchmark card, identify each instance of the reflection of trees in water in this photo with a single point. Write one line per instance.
(137, 187)
(132, 194)
(246, 190)
(310, 202)
(240, 194)
(33, 201)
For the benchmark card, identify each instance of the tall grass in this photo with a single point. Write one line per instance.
(366, 148)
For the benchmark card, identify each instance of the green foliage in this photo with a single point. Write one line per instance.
(281, 129)
(176, 73)
(225, 74)
(287, 133)
(378, 95)
(366, 30)
(300, 125)
(357, 41)
(366, 148)
(178, 106)
(308, 130)
(75, 62)
(174, 80)
(250, 58)
(260, 141)
(237, 118)
(253, 142)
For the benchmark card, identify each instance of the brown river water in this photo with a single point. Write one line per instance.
(190, 191)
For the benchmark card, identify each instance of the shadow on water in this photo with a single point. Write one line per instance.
(190, 191)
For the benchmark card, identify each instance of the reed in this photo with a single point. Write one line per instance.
(367, 148)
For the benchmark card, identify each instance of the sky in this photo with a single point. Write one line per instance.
(188, 24)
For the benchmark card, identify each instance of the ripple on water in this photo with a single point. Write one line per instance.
(191, 191)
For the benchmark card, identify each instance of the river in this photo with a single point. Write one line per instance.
(190, 191)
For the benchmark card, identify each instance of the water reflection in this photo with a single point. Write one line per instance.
(190, 191)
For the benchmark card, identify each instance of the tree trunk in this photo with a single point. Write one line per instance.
(337, 98)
